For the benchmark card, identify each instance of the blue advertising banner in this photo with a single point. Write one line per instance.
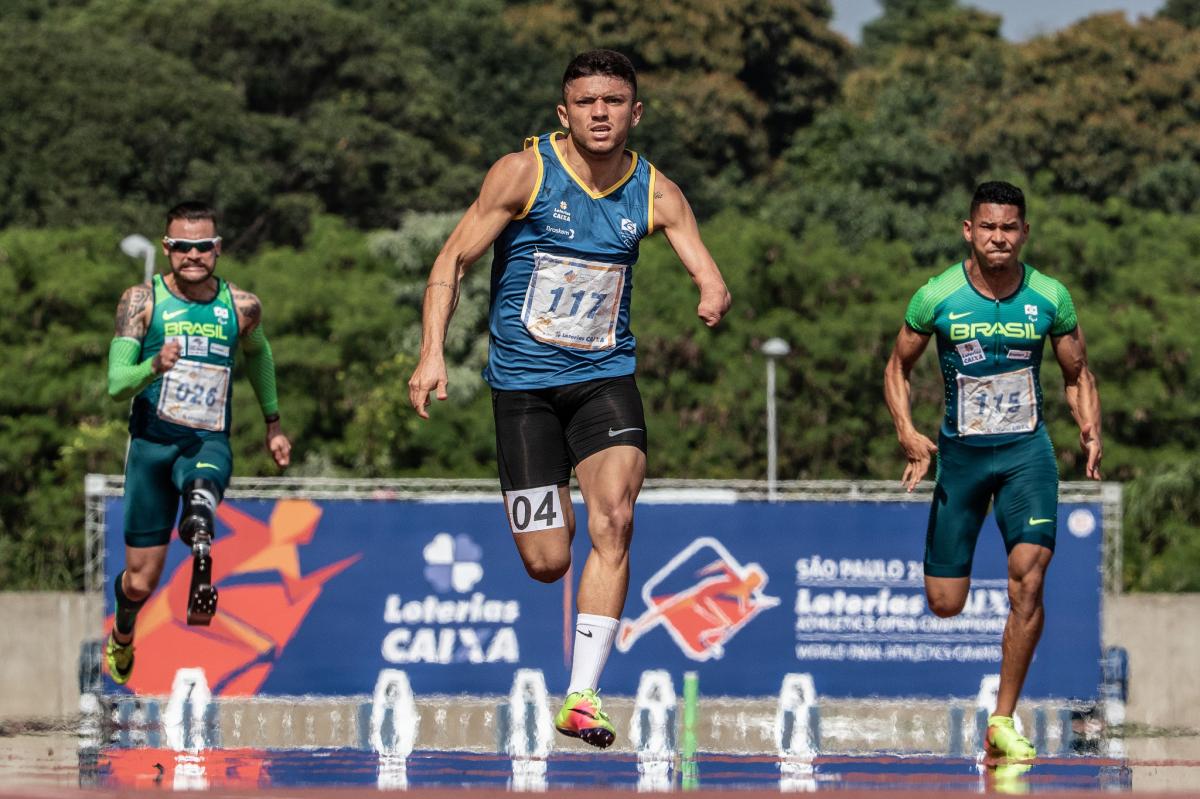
(317, 596)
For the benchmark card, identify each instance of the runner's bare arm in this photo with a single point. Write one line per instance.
(897, 392)
(674, 216)
(126, 376)
(249, 311)
(505, 192)
(1082, 396)
(260, 371)
(133, 312)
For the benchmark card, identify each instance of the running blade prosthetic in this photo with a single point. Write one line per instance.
(202, 597)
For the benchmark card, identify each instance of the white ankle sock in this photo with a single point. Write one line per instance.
(593, 641)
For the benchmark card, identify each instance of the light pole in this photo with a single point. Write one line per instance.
(772, 348)
(138, 246)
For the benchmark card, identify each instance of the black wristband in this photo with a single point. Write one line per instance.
(271, 418)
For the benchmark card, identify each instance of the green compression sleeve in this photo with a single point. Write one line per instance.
(126, 376)
(260, 369)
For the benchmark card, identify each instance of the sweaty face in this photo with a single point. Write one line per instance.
(192, 266)
(599, 111)
(996, 234)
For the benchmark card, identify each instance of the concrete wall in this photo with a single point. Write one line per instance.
(1161, 632)
(41, 633)
(40, 636)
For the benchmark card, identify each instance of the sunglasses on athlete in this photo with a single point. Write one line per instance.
(186, 245)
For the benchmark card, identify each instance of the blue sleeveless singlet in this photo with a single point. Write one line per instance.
(562, 277)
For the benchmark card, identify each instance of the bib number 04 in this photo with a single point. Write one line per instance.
(534, 509)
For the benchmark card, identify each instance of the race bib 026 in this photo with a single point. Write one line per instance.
(993, 404)
(193, 394)
(573, 303)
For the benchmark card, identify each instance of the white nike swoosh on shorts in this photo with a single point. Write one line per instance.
(612, 432)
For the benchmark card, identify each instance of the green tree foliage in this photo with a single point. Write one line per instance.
(1105, 108)
(1162, 529)
(56, 420)
(1185, 12)
(725, 83)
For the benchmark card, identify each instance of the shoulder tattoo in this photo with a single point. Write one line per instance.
(248, 307)
(130, 321)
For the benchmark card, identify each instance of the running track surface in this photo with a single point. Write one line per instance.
(497, 793)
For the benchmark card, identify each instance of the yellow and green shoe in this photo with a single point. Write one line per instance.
(581, 717)
(120, 660)
(1011, 747)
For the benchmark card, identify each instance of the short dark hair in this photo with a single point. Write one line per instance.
(997, 192)
(193, 211)
(601, 62)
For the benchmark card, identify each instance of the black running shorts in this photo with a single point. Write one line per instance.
(542, 434)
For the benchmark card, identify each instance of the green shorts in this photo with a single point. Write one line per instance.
(156, 473)
(1020, 479)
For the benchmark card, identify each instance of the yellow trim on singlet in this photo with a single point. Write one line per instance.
(594, 195)
(650, 205)
(532, 141)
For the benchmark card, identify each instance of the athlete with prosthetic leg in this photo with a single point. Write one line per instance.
(566, 216)
(991, 315)
(173, 352)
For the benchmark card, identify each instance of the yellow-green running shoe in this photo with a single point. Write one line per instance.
(1010, 779)
(1003, 741)
(581, 717)
(120, 660)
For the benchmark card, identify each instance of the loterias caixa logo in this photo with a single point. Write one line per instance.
(265, 598)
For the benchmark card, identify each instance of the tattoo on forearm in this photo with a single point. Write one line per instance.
(441, 283)
(129, 312)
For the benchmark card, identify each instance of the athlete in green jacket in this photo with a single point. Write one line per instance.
(992, 314)
(173, 352)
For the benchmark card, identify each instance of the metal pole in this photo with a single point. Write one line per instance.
(772, 455)
(136, 245)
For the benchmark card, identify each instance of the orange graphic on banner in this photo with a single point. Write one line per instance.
(704, 618)
(254, 622)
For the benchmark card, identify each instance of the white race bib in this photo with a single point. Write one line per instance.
(531, 510)
(193, 394)
(994, 404)
(573, 303)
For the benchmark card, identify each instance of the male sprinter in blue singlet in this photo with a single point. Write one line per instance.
(174, 347)
(566, 216)
(992, 314)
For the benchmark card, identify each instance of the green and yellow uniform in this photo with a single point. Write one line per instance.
(993, 443)
(179, 424)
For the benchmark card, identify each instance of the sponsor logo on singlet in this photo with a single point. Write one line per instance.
(186, 328)
(1025, 331)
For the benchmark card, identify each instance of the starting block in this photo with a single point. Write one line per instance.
(394, 717)
(652, 730)
(797, 733)
(188, 717)
(525, 732)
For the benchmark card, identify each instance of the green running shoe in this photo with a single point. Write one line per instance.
(120, 660)
(581, 717)
(1003, 741)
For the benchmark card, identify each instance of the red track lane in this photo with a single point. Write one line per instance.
(498, 793)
